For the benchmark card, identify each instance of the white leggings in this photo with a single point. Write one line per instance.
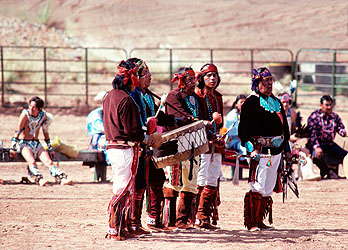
(209, 169)
(266, 177)
(121, 162)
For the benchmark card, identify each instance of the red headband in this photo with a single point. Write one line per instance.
(128, 73)
(210, 68)
(181, 76)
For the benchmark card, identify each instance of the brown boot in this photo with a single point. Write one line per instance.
(205, 207)
(252, 204)
(184, 210)
(265, 208)
(135, 220)
(154, 221)
(198, 198)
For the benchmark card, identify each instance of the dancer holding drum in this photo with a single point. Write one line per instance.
(210, 162)
(187, 104)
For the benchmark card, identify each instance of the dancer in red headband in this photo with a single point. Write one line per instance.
(123, 132)
(210, 162)
(187, 102)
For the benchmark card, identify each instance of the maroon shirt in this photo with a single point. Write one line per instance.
(121, 118)
(215, 105)
(177, 99)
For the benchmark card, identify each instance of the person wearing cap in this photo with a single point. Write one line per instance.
(306, 169)
(95, 129)
(94, 124)
(210, 162)
(186, 100)
(123, 132)
(293, 118)
(264, 131)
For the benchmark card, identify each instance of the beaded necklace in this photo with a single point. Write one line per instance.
(137, 95)
(149, 101)
(34, 122)
(192, 105)
(210, 108)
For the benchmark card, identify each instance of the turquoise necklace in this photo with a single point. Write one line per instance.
(149, 101)
(270, 104)
(210, 108)
(192, 105)
(142, 111)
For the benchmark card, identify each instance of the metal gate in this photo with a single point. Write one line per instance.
(320, 72)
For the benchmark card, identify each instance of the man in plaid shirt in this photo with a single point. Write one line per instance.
(324, 124)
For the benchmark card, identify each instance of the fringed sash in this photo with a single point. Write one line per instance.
(122, 205)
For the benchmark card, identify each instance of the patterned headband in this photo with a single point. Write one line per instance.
(128, 73)
(209, 68)
(257, 76)
(285, 97)
(180, 77)
(141, 64)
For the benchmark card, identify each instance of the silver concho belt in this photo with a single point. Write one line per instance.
(271, 141)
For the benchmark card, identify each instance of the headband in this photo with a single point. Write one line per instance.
(285, 97)
(128, 73)
(180, 77)
(257, 76)
(208, 68)
(141, 64)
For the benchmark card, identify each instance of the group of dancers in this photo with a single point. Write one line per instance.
(133, 124)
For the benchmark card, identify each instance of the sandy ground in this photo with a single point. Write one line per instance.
(74, 217)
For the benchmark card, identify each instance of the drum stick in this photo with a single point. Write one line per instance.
(228, 130)
(170, 105)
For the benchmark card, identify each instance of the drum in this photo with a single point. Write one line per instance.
(179, 144)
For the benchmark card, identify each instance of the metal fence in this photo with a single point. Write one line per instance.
(235, 65)
(318, 72)
(65, 77)
(69, 77)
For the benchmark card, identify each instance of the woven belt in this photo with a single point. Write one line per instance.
(124, 143)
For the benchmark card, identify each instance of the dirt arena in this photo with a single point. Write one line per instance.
(74, 217)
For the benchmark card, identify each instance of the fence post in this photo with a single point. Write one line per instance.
(45, 74)
(333, 82)
(2, 78)
(86, 74)
(252, 61)
(170, 68)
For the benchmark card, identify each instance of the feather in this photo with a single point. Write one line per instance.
(303, 132)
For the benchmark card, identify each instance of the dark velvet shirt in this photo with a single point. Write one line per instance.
(178, 99)
(255, 120)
